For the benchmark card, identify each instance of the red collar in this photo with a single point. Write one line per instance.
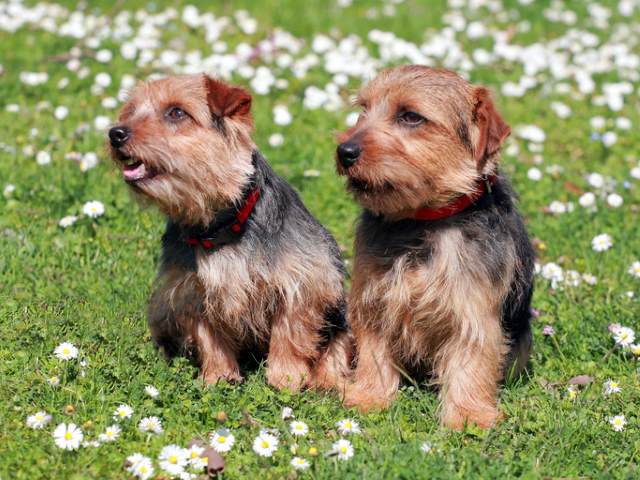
(228, 226)
(458, 205)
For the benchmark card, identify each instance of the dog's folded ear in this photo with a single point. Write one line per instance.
(493, 130)
(225, 100)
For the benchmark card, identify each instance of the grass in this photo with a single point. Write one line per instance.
(89, 284)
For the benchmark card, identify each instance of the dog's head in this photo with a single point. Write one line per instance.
(424, 137)
(185, 144)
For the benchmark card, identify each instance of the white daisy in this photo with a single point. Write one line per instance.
(602, 242)
(587, 200)
(265, 444)
(68, 437)
(110, 434)
(93, 209)
(426, 447)
(611, 386)
(140, 466)
(618, 422)
(299, 463)
(348, 426)
(343, 449)
(9, 188)
(173, 459)
(298, 428)
(635, 349)
(287, 413)
(195, 452)
(634, 269)
(43, 158)
(281, 115)
(152, 391)
(61, 112)
(66, 351)
(54, 380)
(276, 140)
(624, 336)
(122, 412)
(143, 469)
(66, 222)
(38, 420)
(89, 160)
(222, 440)
(150, 424)
(614, 200)
(534, 174)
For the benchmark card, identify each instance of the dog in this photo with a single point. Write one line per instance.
(443, 267)
(245, 267)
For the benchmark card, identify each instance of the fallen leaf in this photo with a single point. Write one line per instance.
(581, 380)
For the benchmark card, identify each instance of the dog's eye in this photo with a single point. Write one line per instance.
(175, 114)
(411, 118)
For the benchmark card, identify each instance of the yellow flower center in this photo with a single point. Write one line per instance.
(300, 461)
(143, 469)
(68, 436)
(347, 424)
(173, 459)
(222, 439)
(343, 449)
(66, 351)
(264, 444)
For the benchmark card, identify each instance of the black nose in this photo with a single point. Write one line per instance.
(118, 136)
(348, 153)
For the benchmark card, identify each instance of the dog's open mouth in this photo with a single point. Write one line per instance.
(360, 186)
(134, 171)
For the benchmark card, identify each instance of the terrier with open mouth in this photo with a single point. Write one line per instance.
(443, 267)
(245, 267)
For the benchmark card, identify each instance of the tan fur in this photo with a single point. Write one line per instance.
(189, 187)
(236, 299)
(441, 317)
(436, 166)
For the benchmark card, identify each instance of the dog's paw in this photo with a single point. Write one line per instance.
(211, 378)
(294, 378)
(458, 418)
(365, 401)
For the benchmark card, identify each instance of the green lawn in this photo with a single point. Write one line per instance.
(89, 283)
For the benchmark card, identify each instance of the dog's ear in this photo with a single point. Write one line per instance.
(225, 100)
(493, 130)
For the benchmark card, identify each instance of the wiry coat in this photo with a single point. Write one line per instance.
(184, 143)
(451, 296)
(447, 298)
(283, 274)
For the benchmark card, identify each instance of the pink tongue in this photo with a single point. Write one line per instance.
(135, 172)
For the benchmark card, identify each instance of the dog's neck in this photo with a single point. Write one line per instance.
(229, 224)
(459, 204)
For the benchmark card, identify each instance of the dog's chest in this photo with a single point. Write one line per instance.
(413, 296)
(235, 290)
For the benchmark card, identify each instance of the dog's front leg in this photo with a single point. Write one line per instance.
(469, 371)
(376, 378)
(292, 349)
(216, 355)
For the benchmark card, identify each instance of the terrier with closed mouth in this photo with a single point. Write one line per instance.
(245, 267)
(443, 267)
